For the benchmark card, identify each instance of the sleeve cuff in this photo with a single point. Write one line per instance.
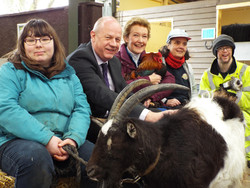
(143, 114)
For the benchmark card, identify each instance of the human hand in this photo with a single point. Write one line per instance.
(173, 102)
(64, 155)
(155, 78)
(52, 146)
(154, 116)
(147, 103)
(170, 112)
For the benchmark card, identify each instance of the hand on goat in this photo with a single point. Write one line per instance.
(156, 116)
(169, 112)
(52, 146)
(64, 155)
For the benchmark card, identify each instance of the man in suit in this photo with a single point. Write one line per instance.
(87, 60)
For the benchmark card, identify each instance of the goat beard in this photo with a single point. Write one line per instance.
(114, 180)
(108, 184)
(111, 180)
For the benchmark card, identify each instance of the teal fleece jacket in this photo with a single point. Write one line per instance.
(33, 107)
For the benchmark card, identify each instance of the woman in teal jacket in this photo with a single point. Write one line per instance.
(42, 108)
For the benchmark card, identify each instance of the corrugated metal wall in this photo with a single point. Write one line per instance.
(189, 16)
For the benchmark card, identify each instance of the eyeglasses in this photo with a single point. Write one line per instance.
(33, 41)
(222, 49)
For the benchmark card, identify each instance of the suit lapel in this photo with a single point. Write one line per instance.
(90, 51)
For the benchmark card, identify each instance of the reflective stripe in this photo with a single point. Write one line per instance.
(244, 67)
(246, 88)
(239, 95)
(248, 149)
(210, 79)
(247, 138)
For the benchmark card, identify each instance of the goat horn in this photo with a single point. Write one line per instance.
(98, 121)
(141, 95)
(123, 96)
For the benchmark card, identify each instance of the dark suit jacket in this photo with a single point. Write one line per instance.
(99, 96)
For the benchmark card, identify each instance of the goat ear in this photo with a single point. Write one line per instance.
(131, 130)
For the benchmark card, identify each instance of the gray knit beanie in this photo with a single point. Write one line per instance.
(223, 40)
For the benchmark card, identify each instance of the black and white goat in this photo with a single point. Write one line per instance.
(199, 146)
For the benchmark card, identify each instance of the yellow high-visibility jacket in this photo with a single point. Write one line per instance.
(211, 82)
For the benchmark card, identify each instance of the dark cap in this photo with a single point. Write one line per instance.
(223, 40)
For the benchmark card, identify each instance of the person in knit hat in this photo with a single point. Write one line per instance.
(223, 68)
(223, 40)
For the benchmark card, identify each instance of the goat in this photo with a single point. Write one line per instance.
(200, 146)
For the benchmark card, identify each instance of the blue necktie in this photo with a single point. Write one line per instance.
(105, 73)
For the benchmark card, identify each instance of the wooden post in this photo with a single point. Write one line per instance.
(73, 24)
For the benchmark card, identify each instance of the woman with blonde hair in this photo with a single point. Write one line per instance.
(136, 35)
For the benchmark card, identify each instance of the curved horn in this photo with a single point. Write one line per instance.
(123, 96)
(98, 121)
(141, 95)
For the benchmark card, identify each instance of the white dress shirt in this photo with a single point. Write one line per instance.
(111, 85)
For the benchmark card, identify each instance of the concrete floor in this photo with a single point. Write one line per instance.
(246, 181)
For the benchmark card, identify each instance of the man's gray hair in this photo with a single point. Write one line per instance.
(100, 21)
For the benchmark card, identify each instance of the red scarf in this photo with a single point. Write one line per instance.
(173, 62)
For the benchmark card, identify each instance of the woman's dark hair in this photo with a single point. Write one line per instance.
(39, 28)
(165, 51)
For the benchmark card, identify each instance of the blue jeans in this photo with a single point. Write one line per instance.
(32, 166)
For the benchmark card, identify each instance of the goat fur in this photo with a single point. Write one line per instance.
(202, 146)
